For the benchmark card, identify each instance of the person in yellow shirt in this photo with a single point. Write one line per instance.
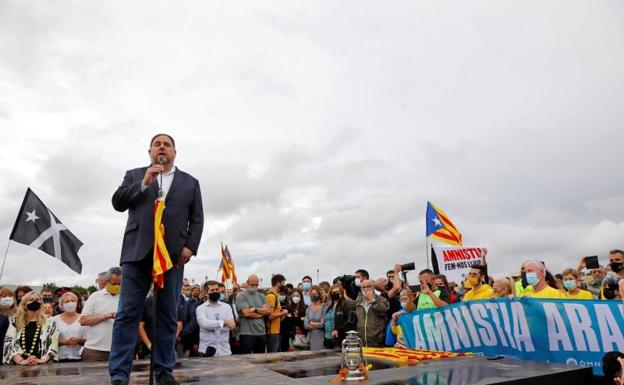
(570, 286)
(395, 328)
(522, 287)
(536, 277)
(479, 290)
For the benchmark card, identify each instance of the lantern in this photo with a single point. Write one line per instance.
(352, 356)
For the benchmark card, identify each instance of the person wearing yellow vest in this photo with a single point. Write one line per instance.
(536, 277)
(522, 287)
(474, 281)
(570, 286)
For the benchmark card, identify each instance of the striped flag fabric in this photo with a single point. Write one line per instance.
(162, 260)
(230, 261)
(224, 266)
(440, 227)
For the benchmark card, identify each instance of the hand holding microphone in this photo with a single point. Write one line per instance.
(154, 170)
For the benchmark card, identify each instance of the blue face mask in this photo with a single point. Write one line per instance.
(403, 305)
(222, 298)
(306, 286)
(282, 298)
(532, 278)
(569, 284)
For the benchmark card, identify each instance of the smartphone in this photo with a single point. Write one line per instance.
(591, 262)
(415, 288)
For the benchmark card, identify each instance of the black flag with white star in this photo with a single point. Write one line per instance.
(37, 227)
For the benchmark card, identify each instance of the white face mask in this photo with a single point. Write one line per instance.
(6, 302)
(296, 299)
(70, 307)
(358, 282)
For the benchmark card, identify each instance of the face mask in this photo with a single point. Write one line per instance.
(113, 289)
(524, 280)
(474, 281)
(47, 299)
(335, 296)
(214, 297)
(616, 267)
(34, 306)
(306, 286)
(6, 302)
(70, 307)
(569, 284)
(252, 290)
(221, 297)
(598, 280)
(357, 282)
(532, 278)
(282, 298)
(296, 299)
(314, 298)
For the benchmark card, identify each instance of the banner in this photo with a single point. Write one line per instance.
(549, 330)
(454, 262)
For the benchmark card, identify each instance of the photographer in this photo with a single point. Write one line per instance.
(611, 285)
(428, 298)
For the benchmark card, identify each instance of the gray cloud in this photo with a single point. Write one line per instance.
(319, 131)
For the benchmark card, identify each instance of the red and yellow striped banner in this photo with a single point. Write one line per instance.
(162, 260)
(409, 355)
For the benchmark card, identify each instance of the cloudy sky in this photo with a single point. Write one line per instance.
(319, 130)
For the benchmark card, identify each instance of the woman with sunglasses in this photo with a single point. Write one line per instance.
(32, 337)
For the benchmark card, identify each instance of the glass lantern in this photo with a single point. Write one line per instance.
(352, 356)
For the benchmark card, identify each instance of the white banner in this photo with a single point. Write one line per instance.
(454, 262)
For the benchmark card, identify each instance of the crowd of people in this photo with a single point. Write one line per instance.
(42, 327)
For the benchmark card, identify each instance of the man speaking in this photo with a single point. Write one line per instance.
(183, 220)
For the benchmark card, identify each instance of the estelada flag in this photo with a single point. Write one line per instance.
(162, 260)
(440, 227)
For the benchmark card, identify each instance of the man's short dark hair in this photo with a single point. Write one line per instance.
(308, 277)
(210, 283)
(221, 285)
(479, 267)
(617, 251)
(277, 278)
(611, 365)
(426, 271)
(113, 271)
(167, 135)
(389, 272)
(363, 272)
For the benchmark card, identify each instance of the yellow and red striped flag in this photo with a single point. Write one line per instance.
(162, 260)
(230, 261)
(440, 227)
(225, 266)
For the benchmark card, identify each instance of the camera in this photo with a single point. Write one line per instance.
(610, 289)
(408, 266)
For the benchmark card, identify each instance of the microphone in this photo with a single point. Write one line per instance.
(161, 161)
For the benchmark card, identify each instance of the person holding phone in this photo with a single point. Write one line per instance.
(430, 297)
(594, 283)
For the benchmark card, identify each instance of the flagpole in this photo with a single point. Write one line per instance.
(152, 374)
(427, 250)
(6, 252)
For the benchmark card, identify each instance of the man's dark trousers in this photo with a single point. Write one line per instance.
(136, 278)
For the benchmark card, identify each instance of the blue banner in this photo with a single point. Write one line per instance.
(549, 330)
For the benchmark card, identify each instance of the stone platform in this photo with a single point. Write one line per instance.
(309, 368)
